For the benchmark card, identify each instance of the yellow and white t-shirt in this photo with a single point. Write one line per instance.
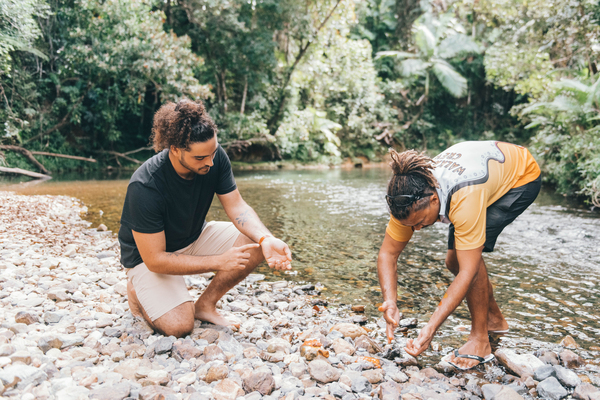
(471, 177)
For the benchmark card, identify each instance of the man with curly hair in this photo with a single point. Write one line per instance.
(164, 234)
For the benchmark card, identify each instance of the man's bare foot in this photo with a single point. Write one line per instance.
(214, 317)
(476, 347)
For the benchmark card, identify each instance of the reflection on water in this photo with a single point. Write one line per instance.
(545, 270)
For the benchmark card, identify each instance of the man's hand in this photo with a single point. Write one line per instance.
(277, 253)
(421, 343)
(236, 258)
(392, 318)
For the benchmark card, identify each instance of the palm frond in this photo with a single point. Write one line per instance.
(425, 40)
(397, 54)
(414, 66)
(19, 45)
(450, 79)
(457, 45)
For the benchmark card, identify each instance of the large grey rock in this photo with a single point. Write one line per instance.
(547, 356)
(361, 385)
(291, 384)
(544, 372)
(24, 373)
(551, 389)
(390, 391)
(520, 364)
(323, 372)
(567, 377)
(71, 340)
(164, 345)
(490, 390)
(336, 390)
(231, 345)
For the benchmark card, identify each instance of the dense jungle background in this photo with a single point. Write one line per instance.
(311, 81)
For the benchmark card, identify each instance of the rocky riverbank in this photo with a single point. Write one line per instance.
(66, 333)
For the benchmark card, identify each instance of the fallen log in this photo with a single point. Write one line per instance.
(20, 171)
(28, 155)
(43, 153)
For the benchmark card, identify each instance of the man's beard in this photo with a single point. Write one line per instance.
(202, 171)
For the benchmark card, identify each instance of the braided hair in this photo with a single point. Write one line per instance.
(181, 124)
(412, 176)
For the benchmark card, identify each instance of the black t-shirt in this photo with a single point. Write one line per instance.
(158, 199)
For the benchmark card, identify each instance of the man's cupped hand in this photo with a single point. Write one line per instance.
(277, 253)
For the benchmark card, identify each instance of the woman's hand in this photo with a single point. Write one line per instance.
(421, 343)
(392, 318)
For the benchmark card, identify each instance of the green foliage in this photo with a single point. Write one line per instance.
(437, 40)
(567, 136)
(83, 77)
(340, 80)
(111, 65)
(19, 30)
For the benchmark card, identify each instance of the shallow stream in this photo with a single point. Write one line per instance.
(545, 269)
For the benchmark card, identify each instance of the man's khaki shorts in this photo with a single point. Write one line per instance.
(158, 293)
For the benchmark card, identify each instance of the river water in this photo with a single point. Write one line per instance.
(545, 269)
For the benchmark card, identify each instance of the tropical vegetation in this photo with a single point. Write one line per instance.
(303, 80)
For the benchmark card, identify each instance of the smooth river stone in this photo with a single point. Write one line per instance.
(520, 364)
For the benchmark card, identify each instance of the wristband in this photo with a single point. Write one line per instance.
(263, 238)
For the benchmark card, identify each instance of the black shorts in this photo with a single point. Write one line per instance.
(504, 211)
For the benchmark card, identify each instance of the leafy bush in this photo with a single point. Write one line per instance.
(568, 136)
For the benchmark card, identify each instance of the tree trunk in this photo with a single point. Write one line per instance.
(224, 90)
(282, 92)
(243, 106)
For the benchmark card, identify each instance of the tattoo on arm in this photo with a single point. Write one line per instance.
(243, 218)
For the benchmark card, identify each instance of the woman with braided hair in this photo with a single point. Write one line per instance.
(478, 188)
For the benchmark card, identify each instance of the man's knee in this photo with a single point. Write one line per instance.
(452, 262)
(178, 322)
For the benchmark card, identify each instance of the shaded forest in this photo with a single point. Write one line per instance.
(312, 81)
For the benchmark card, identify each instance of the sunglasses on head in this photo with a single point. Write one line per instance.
(405, 200)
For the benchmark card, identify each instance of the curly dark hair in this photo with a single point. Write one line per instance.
(412, 176)
(181, 124)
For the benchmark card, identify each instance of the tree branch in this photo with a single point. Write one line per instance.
(137, 150)
(122, 155)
